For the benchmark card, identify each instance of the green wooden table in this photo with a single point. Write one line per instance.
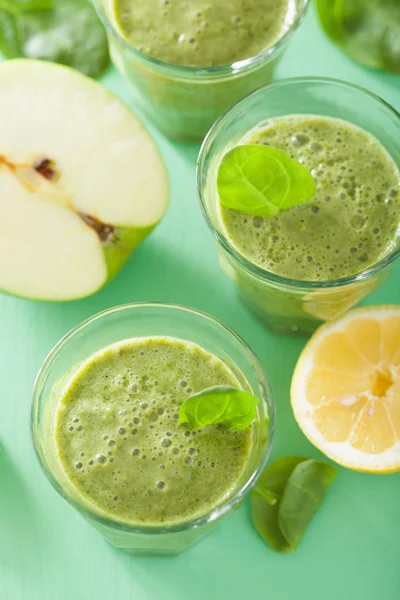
(47, 552)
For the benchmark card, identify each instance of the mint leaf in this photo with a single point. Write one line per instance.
(261, 180)
(223, 405)
(64, 31)
(286, 497)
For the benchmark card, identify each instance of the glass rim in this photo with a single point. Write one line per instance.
(210, 516)
(202, 72)
(223, 240)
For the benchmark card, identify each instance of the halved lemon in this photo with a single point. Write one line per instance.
(345, 390)
(330, 304)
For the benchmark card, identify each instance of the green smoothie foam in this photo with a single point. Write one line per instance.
(354, 219)
(120, 444)
(198, 33)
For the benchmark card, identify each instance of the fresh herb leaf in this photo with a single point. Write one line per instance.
(269, 497)
(20, 6)
(368, 30)
(286, 497)
(332, 14)
(303, 495)
(261, 180)
(64, 31)
(223, 405)
(265, 514)
(10, 44)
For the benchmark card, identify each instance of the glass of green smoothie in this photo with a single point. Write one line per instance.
(108, 433)
(189, 61)
(313, 262)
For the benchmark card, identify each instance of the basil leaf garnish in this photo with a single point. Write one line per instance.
(223, 405)
(261, 180)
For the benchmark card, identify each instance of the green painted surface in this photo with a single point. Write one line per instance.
(47, 552)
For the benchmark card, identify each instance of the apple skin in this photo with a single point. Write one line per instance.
(117, 253)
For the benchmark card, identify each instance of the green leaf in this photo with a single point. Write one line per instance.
(223, 405)
(10, 43)
(64, 31)
(286, 497)
(368, 30)
(331, 16)
(268, 496)
(391, 47)
(303, 495)
(266, 515)
(20, 6)
(261, 180)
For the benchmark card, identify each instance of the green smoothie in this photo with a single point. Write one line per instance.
(354, 219)
(197, 57)
(203, 33)
(120, 444)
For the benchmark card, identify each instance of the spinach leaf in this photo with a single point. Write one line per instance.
(20, 6)
(219, 405)
(286, 497)
(368, 30)
(265, 514)
(262, 180)
(10, 42)
(64, 31)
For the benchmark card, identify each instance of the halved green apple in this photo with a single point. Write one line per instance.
(81, 182)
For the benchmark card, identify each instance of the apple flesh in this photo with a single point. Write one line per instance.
(81, 182)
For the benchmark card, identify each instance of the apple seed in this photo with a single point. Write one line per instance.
(46, 168)
(104, 231)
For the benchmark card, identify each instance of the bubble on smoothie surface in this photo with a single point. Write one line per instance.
(206, 34)
(127, 453)
(351, 204)
(300, 139)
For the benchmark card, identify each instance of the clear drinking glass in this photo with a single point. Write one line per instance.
(286, 305)
(146, 320)
(185, 101)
